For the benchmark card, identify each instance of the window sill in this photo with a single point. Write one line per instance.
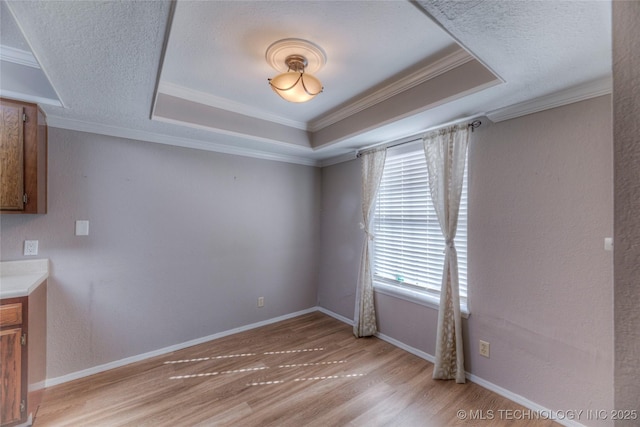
(416, 297)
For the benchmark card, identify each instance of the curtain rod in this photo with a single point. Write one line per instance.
(473, 125)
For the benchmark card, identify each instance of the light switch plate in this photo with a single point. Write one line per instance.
(82, 228)
(608, 243)
(31, 247)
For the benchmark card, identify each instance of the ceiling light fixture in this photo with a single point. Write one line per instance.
(296, 59)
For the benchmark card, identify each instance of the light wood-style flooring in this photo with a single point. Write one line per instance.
(306, 371)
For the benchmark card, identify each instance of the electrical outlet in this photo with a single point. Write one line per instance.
(484, 349)
(260, 301)
(31, 247)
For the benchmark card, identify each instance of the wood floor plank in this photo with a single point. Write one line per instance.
(306, 371)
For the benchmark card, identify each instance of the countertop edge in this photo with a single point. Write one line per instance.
(21, 278)
(17, 293)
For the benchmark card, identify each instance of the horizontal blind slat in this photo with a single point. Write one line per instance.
(408, 245)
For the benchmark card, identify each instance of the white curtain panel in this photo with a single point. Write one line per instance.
(364, 319)
(446, 151)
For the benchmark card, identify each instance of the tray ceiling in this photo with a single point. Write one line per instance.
(194, 73)
(214, 73)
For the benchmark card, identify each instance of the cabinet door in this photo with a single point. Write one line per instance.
(11, 156)
(10, 375)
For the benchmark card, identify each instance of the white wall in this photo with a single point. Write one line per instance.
(541, 284)
(182, 243)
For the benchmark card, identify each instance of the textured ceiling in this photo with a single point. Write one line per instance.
(10, 34)
(537, 47)
(394, 68)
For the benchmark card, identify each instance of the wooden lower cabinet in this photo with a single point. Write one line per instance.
(22, 356)
(11, 375)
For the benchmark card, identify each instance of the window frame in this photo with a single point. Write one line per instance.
(428, 295)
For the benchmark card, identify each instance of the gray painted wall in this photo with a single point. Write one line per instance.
(626, 96)
(541, 284)
(341, 240)
(182, 243)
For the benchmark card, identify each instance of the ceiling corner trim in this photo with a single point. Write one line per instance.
(577, 93)
(221, 131)
(18, 56)
(33, 54)
(441, 66)
(352, 155)
(146, 136)
(199, 97)
(429, 95)
(30, 98)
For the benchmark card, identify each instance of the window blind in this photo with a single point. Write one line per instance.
(408, 245)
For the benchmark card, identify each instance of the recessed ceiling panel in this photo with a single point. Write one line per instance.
(215, 54)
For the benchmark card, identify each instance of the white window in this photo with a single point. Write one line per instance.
(408, 244)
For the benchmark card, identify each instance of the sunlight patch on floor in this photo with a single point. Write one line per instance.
(294, 351)
(266, 353)
(326, 377)
(200, 359)
(296, 365)
(229, 356)
(209, 374)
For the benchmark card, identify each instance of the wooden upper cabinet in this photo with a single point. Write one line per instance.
(23, 158)
(12, 155)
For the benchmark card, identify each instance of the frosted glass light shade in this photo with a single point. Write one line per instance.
(294, 86)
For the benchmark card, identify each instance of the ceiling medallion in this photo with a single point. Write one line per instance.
(296, 60)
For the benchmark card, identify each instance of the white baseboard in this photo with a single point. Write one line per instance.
(426, 356)
(118, 363)
(335, 315)
(534, 407)
(422, 354)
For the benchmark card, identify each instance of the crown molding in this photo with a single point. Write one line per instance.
(18, 56)
(441, 66)
(28, 59)
(230, 133)
(577, 93)
(120, 132)
(346, 157)
(192, 95)
(30, 98)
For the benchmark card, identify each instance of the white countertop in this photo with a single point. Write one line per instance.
(20, 278)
